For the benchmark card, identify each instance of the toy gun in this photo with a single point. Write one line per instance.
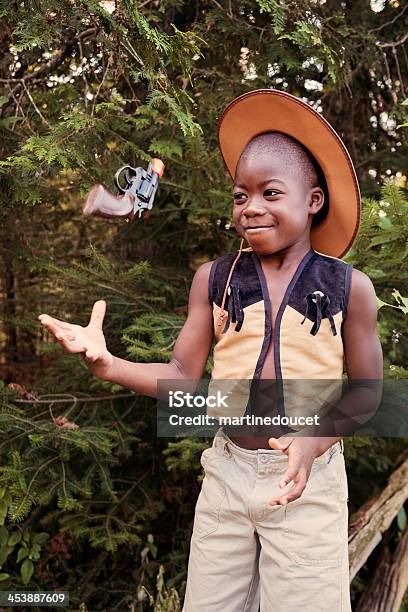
(136, 195)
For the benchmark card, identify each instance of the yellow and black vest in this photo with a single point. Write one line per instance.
(307, 339)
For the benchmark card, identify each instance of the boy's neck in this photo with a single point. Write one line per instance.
(285, 258)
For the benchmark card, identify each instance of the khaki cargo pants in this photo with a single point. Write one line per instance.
(246, 556)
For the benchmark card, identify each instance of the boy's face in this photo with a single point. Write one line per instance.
(273, 207)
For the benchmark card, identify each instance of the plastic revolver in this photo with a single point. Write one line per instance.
(137, 190)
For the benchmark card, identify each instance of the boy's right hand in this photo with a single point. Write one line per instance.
(88, 341)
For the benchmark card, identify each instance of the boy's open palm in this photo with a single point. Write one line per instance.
(88, 341)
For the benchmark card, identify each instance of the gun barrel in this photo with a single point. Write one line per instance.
(157, 166)
(102, 203)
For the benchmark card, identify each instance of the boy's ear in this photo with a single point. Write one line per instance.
(316, 200)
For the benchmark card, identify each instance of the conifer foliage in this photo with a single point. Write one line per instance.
(91, 501)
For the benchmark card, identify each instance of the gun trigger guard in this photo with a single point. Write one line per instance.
(117, 177)
(132, 177)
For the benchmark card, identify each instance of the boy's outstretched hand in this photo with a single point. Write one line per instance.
(301, 453)
(88, 341)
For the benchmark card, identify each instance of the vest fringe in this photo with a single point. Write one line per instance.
(321, 303)
(224, 313)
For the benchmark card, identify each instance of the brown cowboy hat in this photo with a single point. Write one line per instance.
(267, 110)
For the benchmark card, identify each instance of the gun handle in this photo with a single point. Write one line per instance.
(102, 203)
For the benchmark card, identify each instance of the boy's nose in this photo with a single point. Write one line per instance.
(253, 207)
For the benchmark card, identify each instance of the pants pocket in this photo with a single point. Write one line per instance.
(338, 480)
(312, 522)
(212, 494)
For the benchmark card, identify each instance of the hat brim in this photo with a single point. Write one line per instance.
(266, 110)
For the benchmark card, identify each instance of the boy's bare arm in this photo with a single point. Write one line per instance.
(189, 355)
(362, 347)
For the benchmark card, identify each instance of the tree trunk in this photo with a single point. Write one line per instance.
(368, 524)
(9, 312)
(385, 590)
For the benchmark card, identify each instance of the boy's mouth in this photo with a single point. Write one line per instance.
(258, 228)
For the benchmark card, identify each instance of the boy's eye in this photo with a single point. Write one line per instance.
(239, 196)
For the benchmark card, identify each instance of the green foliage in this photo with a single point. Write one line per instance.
(152, 337)
(181, 455)
(381, 252)
(307, 36)
(277, 11)
(88, 86)
(29, 550)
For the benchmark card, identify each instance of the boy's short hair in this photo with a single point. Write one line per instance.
(283, 144)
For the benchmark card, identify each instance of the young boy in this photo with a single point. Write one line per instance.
(270, 526)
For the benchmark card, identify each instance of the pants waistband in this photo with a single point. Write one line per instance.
(223, 443)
